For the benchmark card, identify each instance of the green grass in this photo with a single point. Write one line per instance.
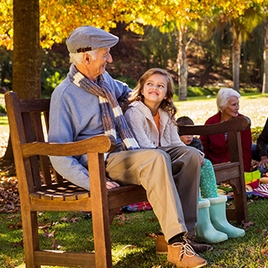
(133, 242)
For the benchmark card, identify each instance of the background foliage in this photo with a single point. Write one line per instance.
(204, 54)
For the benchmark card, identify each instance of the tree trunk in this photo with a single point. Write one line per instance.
(244, 77)
(26, 69)
(182, 63)
(26, 79)
(8, 156)
(265, 60)
(236, 50)
(205, 75)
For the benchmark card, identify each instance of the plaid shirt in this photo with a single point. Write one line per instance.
(197, 144)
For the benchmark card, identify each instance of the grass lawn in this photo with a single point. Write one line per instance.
(133, 242)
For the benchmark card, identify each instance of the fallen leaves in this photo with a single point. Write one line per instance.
(49, 229)
(247, 224)
(15, 226)
(9, 195)
(120, 219)
(264, 251)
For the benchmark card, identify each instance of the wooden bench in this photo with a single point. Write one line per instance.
(233, 171)
(42, 189)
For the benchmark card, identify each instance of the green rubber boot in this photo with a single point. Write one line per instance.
(218, 217)
(205, 231)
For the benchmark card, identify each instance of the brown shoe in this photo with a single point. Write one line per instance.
(183, 255)
(162, 246)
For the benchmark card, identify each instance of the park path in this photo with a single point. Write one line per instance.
(4, 132)
(255, 108)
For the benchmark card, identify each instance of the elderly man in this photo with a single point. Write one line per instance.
(86, 104)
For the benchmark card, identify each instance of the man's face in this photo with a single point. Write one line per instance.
(98, 64)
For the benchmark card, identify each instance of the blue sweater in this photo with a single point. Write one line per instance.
(75, 115)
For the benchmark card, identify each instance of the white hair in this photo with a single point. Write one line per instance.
(76, 58)
(223, 97)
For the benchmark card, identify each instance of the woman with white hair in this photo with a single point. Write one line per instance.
(216, 146)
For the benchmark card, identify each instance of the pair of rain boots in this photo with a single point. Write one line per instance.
(212, 225)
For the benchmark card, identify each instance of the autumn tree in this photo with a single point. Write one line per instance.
(58, 18)
(21, 28)
(241, 26)
(26, 71)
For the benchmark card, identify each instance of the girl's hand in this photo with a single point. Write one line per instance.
(202, 158)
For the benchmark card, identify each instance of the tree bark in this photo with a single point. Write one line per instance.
(26, 79)
(205, 75)
(182, 63)
(265, 61)
(236, 51)
(26, 69)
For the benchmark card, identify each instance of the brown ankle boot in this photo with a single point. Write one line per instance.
(161, 245)
(183, 255)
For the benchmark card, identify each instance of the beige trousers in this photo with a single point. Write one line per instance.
(170, 177)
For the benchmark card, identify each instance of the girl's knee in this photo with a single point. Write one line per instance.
(161, 155)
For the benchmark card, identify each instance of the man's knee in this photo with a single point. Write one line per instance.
(157, 158)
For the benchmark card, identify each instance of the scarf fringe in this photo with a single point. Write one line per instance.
(107, 100)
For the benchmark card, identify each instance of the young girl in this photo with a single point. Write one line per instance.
(151, 116)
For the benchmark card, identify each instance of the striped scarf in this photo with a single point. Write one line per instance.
(107, 99)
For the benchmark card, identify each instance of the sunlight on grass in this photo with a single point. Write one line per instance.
(133, 239)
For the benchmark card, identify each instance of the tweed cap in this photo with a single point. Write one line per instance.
(86, 38)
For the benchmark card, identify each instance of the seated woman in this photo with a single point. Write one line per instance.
(216, 146)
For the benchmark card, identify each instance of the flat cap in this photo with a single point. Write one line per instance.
(86, 38)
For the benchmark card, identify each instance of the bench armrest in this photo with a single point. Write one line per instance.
(239, 123)
(97, 144)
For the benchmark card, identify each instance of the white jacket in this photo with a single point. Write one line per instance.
(140, 120)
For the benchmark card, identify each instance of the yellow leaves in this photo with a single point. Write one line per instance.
(6, 20)
(135, 27)
(59, 17)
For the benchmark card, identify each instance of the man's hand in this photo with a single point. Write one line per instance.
(111, 184)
